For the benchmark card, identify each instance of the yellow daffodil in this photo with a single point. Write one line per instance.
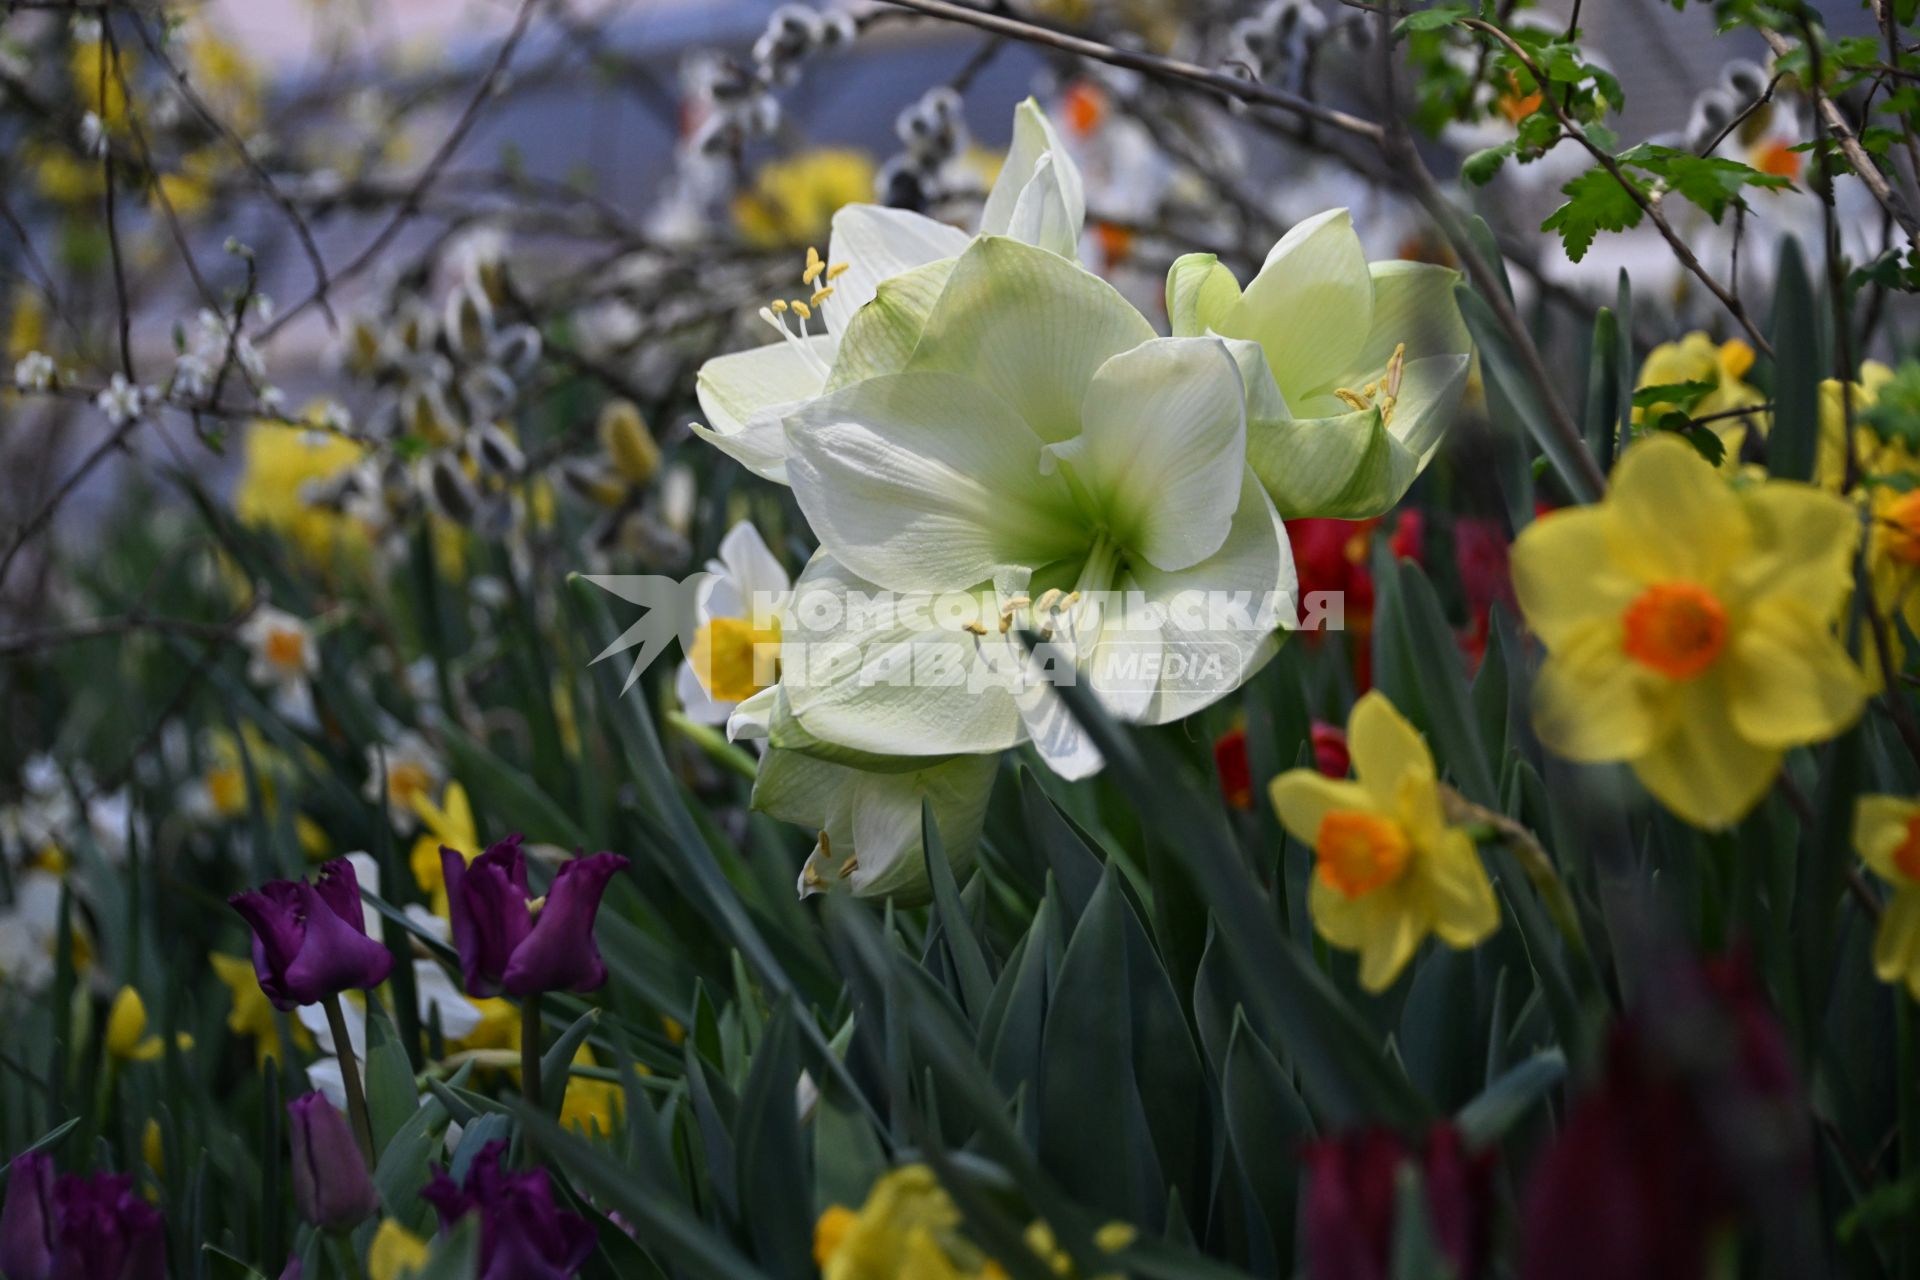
(127, 1039)
(1388, 870)
(1697, 358)
(252, 1012)
(448, 823)
(591, 1106)
(1689, 627)
(909, 1226)
(153, 1147)
(793, 200)
(1886, 835)
(281, 468)
(395, 1252)
(1872, 455)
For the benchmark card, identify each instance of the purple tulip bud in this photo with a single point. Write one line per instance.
(26, 1223)
(310, 940)
(330, 1183)
(504, 945)
(524, 1235)
(293, 1269)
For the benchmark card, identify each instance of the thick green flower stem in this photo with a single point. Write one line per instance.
(346, 1262)
(1533, 860)
(530, 1049)
(350, 1078)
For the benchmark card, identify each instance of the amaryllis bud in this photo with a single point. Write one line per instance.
(331, 1188)
(509, 943)
(310, 940)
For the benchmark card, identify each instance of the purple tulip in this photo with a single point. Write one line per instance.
(293, 1269)
(523, 1234)
(26, 1223)
(1349, 1210)
(310, 940)
(504, 944)
(330, 1183)
(75, 1228)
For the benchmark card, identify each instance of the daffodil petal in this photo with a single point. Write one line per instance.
(1676, 518)
(1790, 680)
(1880, 826)
(1563, 577)
(1593, 703)
(1896, 943)
(1385, 748)
(1302, 797)
(1703, 769)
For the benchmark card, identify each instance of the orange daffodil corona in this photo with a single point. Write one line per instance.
(1886, 835)
(1388, 868)
(1689, 627)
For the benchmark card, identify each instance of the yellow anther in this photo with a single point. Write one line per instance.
(778, 306)
(1006, 622)
(1368, 390)
(820, 295)
(1048, 600)
(848, 867)
(814, 266)
(801, 309)
(837, 270)
(1069, 600)
(976, 628)
(1014, 605)
(1352, 399)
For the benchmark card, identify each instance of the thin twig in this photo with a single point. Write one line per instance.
(1151, 65)
(1857, 158)
(410, 206)
(1681, 249)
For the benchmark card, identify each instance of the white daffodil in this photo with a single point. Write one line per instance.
(866, 810)
(30, 931)
(896, 257)
(1353, 371)
(1054, 466)
(282, 656)
(736, 640)
(411, 769)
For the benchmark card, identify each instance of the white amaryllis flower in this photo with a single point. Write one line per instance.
(1037, 198)
(1044, 453)
(866, 810)
(1353, 371)
(283, 657)
(737, 613)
